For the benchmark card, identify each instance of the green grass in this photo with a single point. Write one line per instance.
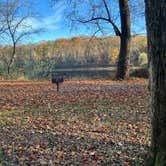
(7, 118)
(83, 110)
(18, 112)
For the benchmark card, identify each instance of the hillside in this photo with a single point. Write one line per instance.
(32, 60)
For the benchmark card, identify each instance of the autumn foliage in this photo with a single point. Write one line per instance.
(62, 42)
(34, 59)
(89, 122)
(76, 40)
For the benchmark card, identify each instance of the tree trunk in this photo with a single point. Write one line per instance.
(8, 69)
(156, 32)
(125, 37)
(12, 58)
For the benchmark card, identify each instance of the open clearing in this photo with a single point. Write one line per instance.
(89, 123)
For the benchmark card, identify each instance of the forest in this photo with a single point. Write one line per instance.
(37, 61)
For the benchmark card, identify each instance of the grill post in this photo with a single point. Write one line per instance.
(57, 79)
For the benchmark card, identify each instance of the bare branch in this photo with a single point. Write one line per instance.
(107, 9)
(116, 29)
(109, 19)
(15, 13)
(93, 19)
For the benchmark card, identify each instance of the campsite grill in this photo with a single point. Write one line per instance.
(57, 79)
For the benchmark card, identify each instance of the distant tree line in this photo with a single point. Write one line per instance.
(35, 61)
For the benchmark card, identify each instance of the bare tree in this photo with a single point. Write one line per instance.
(156, 33)
(101, 13)
(15, 15)
(2, 25)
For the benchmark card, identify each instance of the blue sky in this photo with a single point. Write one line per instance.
(52, 19)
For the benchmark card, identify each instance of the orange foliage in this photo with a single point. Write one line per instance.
(76, 39)
(62, 42)
(40, 51)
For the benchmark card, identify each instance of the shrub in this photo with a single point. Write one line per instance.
(143, 59)
(141, 73)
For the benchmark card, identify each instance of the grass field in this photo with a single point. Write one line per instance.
(99, 122)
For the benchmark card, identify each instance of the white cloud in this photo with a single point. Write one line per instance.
(48, 23)
(51, 22)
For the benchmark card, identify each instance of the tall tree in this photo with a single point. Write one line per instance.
(156, 33)
(100, 13)
(15, 15)
(125, 37)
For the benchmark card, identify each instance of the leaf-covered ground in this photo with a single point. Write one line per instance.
(88, 123)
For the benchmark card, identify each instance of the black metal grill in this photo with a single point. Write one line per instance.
(57, 79)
